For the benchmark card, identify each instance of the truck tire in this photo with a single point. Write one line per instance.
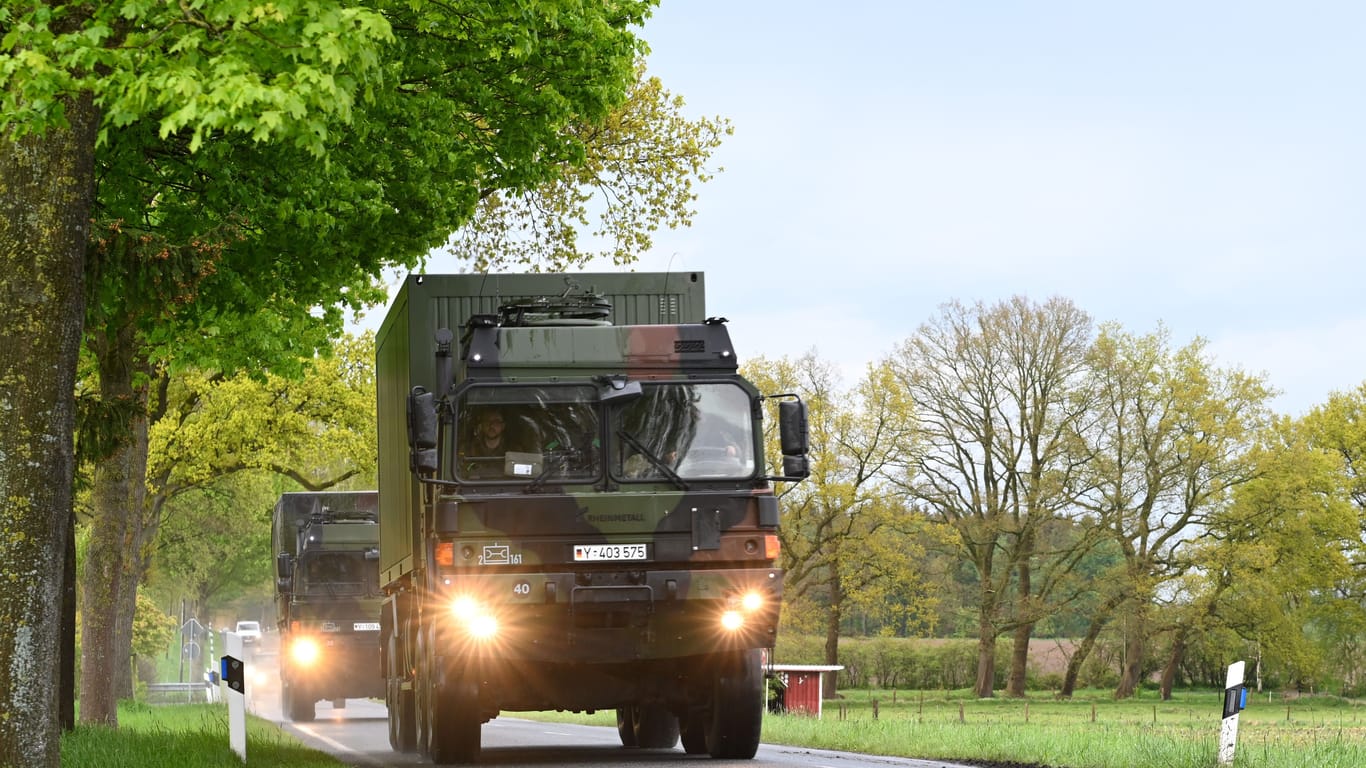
(692, 728)
(402, 711)
(655, 726)
(453, 722)
(737, 710)
(297, 704)
(626, 726)
(448, 720)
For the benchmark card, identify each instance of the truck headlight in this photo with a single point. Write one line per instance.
(305, 651)
(732, 620)
(474, 617)
(739, 607)
(752, 601)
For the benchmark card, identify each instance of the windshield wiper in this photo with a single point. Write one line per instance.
(551, 460)
(649, 455)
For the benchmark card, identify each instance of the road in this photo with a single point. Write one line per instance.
(358, 735)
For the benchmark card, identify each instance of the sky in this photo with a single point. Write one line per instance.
(1198, 166)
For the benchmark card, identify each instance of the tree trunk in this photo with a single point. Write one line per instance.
(1019, 661)
(1088, 643)
(66, 703)
(1079, 656)
(985, 685)
(46, 198)
(118, 495)
(832, 634)
(1135, 646)
(1173, 667)
(135, 560)
(1019, 653)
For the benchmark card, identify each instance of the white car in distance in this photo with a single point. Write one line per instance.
(249, 631)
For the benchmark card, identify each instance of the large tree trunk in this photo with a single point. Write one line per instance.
(46, 197)
(135, 558)
(1173, 667)
(1088, 643)
(1019, 661)
(1019, 653)
(1079, 656)
(1135, 648)
(985, 685)
(118, 495)
(134, 564)
(67, 692)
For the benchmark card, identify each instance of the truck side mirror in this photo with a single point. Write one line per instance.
(422, 431)
(284, 572)
(796, 467)
(792, 427)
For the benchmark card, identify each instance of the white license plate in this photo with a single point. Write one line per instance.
(597, 552)
(365, 626)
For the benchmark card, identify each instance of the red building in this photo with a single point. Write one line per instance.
(802, 686)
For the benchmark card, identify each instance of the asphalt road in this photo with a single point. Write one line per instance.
(358, 734)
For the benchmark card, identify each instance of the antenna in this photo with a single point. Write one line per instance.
(668, 275)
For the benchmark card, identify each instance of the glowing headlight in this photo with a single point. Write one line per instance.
(476, 619)
(465, 608)
(732, 620)
(305, 651)
(482, 626)
(752, 601)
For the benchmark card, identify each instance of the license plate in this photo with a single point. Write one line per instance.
(365, 626)
(584, 553)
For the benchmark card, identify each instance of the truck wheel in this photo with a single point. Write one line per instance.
(402, 712)
(402, 733)
(626, 726)
(692, 727)
(655, 726)
(298, 705)
(449, 718)
(453, 722)
(737, 710)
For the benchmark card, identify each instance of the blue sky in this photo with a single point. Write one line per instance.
(1196, 164)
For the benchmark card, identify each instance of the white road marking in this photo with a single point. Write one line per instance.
(328, 741)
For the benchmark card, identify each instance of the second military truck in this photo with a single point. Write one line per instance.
(575, 511)
(327, 599)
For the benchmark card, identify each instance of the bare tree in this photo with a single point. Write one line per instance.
(1000, 393)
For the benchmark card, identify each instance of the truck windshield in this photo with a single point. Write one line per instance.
(695, 431)
(337, 573)
(527, 434)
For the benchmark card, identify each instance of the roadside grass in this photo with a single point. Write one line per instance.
(1090, 731)
(184, 736)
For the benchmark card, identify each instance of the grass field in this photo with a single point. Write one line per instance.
(1091, 731)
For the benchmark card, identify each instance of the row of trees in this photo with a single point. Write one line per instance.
(1010, 472)
(1016, 461)
(194, 191)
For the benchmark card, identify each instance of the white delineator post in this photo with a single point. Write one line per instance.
(1235, 700)
(234, 676)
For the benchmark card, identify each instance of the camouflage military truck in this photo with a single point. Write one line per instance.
(575, 514)
(327, 599)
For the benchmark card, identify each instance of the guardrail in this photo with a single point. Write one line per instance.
(181, 693)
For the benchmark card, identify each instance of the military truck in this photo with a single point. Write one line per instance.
(575, 512)
(327, 599)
